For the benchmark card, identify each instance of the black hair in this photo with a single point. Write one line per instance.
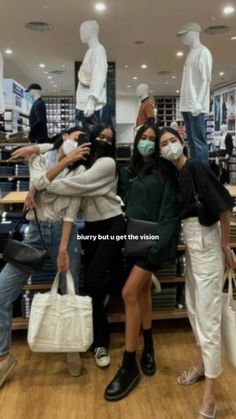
(57, 141)
(137, 164)
(166, 167)
(94, 134)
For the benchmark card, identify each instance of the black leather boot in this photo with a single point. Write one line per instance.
(147, 363)
(123, 382)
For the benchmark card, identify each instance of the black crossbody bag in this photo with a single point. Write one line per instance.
(135, 243)
(22, 255)
(205, 215)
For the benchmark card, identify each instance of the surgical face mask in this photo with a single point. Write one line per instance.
(172, 151)
(102, 148)
(145, 147)
(68, 146)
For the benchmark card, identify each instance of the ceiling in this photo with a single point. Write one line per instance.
(155, 22)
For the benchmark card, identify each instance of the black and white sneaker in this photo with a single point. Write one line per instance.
(102, 357)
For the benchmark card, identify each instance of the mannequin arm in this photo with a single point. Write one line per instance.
(199, 104)
(204, 67)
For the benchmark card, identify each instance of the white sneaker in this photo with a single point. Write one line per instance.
(102, 357)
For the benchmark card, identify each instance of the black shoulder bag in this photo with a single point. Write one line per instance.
(21, 255)
(205, 215)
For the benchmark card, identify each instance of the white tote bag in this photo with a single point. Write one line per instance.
(229, 321)
(60, 323)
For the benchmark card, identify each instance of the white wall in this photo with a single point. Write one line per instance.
(126, 114)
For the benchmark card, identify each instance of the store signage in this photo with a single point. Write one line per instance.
(18, 90)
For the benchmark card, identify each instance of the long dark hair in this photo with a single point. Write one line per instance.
(166, 168)
(137, 164)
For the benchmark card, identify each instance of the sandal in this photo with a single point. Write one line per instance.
(206, 415)
(190, 377)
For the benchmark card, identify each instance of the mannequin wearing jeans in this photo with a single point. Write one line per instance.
(195, 90)
(91, 90)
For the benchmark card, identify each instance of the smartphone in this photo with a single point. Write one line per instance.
(83, 138)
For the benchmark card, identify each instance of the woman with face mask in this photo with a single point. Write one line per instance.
(56, 215)
(150, 197)
(104, 222)
(202, 202)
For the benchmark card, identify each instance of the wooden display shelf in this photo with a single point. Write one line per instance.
(14, 198)
(37, 287)
(232, 190)
(20, 323)
(14, 177)
(176, 280)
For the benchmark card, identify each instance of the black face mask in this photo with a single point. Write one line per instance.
(103, 149)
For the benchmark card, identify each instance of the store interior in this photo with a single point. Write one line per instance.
(40, 43)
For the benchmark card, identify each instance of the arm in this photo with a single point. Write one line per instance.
(26, 152)
(95, 181)
(63, 257)
(205, 67)
(230, 258)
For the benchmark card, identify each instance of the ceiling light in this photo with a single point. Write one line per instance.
(177, 91)
(221, 73)
(128, 86)
(135, 78)
(143, 66)
(173, 77)
(8, 51)
(228, 10)
(55, 85)
(63, 65)
(233, 38)
(49, 77)
(45, 72)
(100, 7)
(51, 81)
(179, 54)
(42, 65)
(126, 66)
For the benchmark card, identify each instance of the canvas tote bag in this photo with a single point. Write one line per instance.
(60, 323)
(229, 320)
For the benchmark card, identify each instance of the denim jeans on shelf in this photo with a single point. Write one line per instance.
(13, 279)
(196, 136)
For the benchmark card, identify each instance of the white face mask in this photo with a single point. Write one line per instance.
(68, 146)
(172, 151)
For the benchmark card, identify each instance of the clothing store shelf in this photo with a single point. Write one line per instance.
(177, 280)
(14, 198)
(14, 177)
(37, 287)
(19, 323)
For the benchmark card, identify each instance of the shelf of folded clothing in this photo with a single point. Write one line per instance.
(19, 323)
(14, 198)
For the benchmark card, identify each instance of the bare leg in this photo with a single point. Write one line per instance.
(136, 281)
(208, 402)
(145, 301)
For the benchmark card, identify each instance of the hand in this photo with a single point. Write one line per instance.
(80, 153)
(90, 107)
(197, 109)
(230, 257)
(30, 199)
(24, 152)
(62, 261)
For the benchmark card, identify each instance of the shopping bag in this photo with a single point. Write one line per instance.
(60, 323)
(229, 320)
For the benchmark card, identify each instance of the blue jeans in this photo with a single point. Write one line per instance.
(12, 279)
(196, 136)
(102, 116)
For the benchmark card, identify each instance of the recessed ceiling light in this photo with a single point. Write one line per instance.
(8, 51)
(49, 77)
(63, 65)
(45, 72)
(179, 54)
(128, 86)
(173, 77)
(126, 66)
(100, 7)
(143, 66)
(42, 65)
(177, 91)
(233, 38)
(135, 78)
(221, 73)
(228, 10)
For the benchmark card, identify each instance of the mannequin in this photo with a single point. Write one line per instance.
(91, 90)
(174, 125)
(2, 107)
(146, 109)
(226, 149)
(195, 90)
(38, 117)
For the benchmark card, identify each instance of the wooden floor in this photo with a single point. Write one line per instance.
(40, 387)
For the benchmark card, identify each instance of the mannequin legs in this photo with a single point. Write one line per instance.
(196, 136)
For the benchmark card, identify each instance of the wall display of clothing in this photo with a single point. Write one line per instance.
(166, 107)
(60, 113)
(225, 108)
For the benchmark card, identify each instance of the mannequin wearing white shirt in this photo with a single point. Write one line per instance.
(195, 91)
(91, 90)
(2, 107)
(146, 109)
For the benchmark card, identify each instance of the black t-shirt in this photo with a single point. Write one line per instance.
(196, 177)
